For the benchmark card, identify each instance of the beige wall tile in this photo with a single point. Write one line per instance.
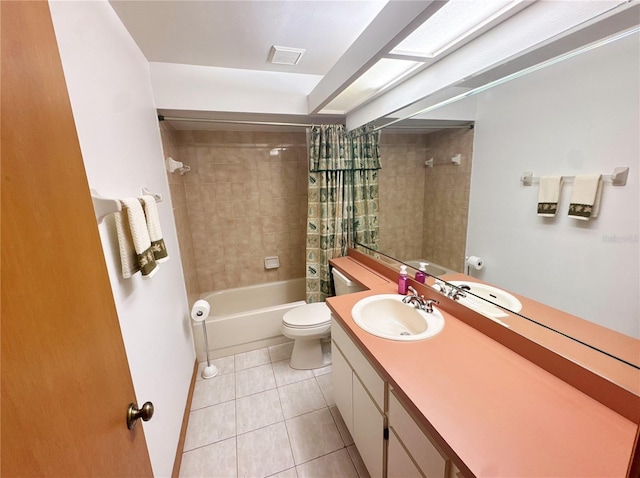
(243, 204)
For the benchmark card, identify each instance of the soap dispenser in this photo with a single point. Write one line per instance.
(403, 280)
(421, 275)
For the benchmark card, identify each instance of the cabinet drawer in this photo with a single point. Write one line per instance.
(359, 363)
(399, 463)
(419, 445)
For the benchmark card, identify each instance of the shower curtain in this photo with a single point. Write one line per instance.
(342, 200)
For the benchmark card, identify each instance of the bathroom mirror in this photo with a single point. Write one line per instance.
(576, 116)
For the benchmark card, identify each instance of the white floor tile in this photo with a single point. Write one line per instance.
(254, 380)
(286, 375)
(258, 410)
(300, 398)
(336, 465)
(210, 425)
(260, 418)
(252, 359)
(313, 435)
(212, 391)
(216, 460)
(322, 371)
(224, 365)
(326, 385)
(264, 452)
(281, 351)
(290, 473)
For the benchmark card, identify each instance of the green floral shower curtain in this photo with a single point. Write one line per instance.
(335, 191)
(366, 163)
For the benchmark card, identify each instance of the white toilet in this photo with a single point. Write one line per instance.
(309, 324)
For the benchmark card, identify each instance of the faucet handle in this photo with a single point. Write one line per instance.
(428, 305)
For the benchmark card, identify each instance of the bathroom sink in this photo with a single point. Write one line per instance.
(386, 316)
(490, 294)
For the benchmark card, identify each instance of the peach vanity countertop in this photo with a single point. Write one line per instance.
(497, 412)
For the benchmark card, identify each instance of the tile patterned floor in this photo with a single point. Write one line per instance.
(260, 418)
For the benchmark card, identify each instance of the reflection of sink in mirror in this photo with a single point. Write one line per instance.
(386, 316)
(432, 269)
(491, 294)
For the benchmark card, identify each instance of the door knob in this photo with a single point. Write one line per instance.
(133, 413)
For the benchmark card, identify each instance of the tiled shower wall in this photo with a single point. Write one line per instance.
(171, 149)
(446, 197)
(423, 211)
(401, 194)
(246, 197)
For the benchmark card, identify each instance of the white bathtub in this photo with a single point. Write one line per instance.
(247, 318)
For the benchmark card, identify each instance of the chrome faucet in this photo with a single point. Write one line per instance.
(452, 292)
(419, 302)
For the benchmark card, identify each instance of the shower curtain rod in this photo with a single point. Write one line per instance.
(257, 123)
(301, 125)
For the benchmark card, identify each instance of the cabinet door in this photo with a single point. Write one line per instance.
(368, 426)
(399, 464)
(342, 377)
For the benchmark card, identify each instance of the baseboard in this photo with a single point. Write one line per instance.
(185, 421)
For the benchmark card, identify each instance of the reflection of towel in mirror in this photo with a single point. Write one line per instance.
(133, 240)
(549, 195)
(153, 226)
(585, 197)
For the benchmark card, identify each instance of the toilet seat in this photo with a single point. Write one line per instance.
(308, 316)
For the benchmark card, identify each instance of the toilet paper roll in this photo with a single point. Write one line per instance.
(200, 310)
(476, 262)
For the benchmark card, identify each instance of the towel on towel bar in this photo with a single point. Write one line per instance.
(133, 240)
(585, 197)
(153, 226)
(549, 195)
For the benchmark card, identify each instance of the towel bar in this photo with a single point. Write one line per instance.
(617, 178)
(105, 206)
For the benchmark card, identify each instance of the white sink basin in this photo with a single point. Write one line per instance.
(386, 316)
(490, 294)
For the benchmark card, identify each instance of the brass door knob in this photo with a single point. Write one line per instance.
(133, 413)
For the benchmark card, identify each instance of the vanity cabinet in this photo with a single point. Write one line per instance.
(359, 394)
(369, 407)
(409, 445)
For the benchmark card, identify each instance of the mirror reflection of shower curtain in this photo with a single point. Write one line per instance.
(335, 193)
(365, 153)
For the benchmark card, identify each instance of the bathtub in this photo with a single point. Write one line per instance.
(247, 318)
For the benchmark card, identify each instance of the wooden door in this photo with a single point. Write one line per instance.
(66, 384)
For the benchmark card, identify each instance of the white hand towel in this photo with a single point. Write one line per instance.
(128, 257)
(585, 197)
(153, 226)
(144, 260)
(549, 195)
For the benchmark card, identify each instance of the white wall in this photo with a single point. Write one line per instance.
(205, 88)
(577, 117)
(112, 102)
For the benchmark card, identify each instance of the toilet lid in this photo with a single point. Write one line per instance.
(309, 315)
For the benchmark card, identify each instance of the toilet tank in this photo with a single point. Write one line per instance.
(344, 285)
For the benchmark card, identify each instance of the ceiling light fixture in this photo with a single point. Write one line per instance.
(451, 24)
(382, 75)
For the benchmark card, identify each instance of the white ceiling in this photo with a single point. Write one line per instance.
(239, 34)
(342, 40)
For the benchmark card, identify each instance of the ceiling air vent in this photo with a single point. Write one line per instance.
(282, 55)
